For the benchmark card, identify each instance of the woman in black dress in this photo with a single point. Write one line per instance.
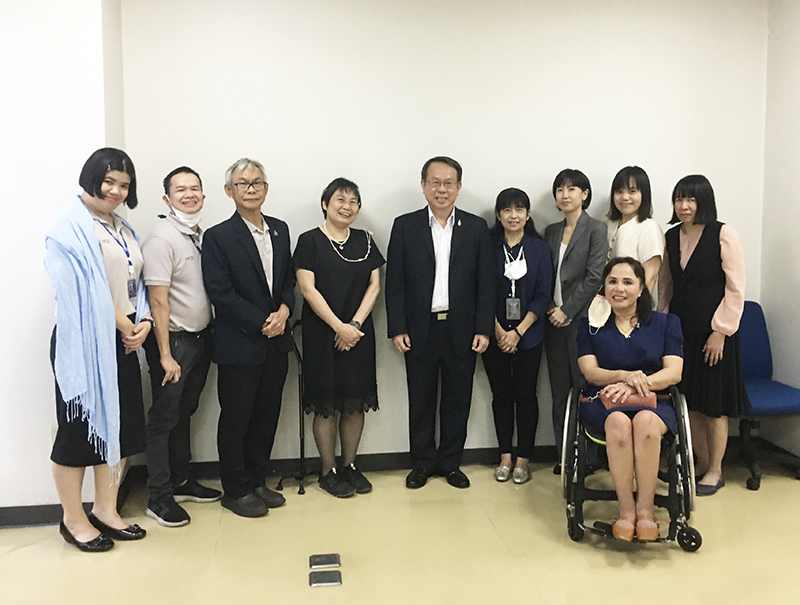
(702, 282)
(339, 277)
(94, 262)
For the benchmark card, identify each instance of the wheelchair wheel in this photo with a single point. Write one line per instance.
(689, 539)
(575, 531)
(568, 443)
(685, 452)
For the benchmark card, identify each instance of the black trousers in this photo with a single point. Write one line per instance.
(562, 366)
(513, 378)
(168, 421)
(423, 370)
(250, 404)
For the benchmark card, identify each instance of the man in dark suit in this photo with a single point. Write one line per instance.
(249, 278)
(440, 307)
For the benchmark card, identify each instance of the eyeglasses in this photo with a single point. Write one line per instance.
(449, 185)
(244, 186)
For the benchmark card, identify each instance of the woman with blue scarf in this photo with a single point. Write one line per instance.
(102, 317)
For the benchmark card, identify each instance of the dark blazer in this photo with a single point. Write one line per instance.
(534, 290)
(582, 267)
(410, 272)
(237, 287)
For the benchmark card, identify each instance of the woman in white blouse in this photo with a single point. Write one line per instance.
(632, 231)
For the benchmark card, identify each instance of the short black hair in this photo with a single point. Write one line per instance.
(644, 306)
(624, 178)
(100, 163)
(698, 187)
(508, 198)
(574, 177)
(340, 184)
(442, 159)
(180, 170)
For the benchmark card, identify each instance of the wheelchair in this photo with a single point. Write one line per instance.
(579, 440)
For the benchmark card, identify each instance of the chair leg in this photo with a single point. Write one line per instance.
(748, 452)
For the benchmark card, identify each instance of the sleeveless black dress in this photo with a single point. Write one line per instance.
(698, 291)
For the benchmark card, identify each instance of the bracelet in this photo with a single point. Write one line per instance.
(150, 320)
(517, 333)
(356, 324)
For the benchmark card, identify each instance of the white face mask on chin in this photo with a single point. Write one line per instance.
(190, 220)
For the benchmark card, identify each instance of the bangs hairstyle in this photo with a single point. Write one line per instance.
(516, 198)
(570, 176)
(340, 184)
(180, 170)
(698, 187)
(631, 175)
(242, 164)
(644, 305)
(100, 163)
(442, 159)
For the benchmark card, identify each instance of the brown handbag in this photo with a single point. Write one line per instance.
(634, 400)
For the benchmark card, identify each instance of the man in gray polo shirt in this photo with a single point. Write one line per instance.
(178, 350)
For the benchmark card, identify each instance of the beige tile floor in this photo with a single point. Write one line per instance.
(492, 543)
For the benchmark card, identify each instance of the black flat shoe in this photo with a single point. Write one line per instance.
(100, 544)
(132, 532)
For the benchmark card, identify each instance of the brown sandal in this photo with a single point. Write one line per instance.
(647, 530)
(622, 529)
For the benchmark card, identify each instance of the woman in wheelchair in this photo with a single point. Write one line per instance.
(626, 362)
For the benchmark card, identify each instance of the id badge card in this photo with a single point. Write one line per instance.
(513, 309)
(132, 288)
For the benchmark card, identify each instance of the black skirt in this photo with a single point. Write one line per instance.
(714, 391)
(72, 446)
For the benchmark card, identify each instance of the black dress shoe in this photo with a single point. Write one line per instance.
(456, 478)
(100, 544)
(557, 469)
(132, 532)
(249, 505)
(416, 478)
(271, 498)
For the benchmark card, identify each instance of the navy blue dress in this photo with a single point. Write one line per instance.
(642, 350)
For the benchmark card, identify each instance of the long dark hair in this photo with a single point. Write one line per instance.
(644, 305)
(508, 198)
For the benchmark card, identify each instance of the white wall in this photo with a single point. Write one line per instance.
(780, 271)
(515, 90)
(51, 119)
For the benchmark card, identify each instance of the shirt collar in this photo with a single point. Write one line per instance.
(450, 219)
(253, 228)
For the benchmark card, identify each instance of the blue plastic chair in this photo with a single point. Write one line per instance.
(768, 397)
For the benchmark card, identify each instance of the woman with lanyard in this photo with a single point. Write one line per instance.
(102, 318)
(524, 281)
(338, 274)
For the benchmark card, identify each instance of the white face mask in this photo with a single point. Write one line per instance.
(515, 269)
(190, 220)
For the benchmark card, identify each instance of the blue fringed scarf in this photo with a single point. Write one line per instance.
(86, 358)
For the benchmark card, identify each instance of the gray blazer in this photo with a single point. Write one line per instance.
(582, 267)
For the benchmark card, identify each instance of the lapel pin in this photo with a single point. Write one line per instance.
(459, 222)
(275, 233)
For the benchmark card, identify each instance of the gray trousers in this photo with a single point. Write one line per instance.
(562, 366)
